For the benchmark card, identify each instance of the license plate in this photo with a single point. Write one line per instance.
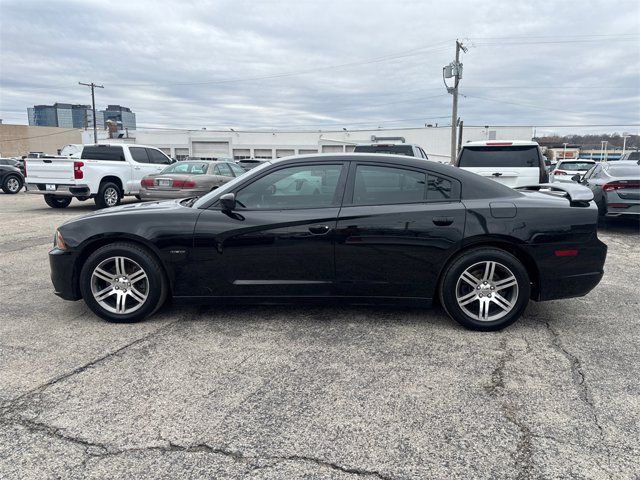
(164, 183)
(51, 186)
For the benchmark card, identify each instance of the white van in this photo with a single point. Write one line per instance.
(513, 163)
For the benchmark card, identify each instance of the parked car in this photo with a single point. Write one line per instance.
(105, 173)
(188, 179)
(249, 163)
(512, 163)
(635, 156)
(408, 149)
(371, 229)
(11, 179)
(566, 169)
(615, 187)
(14, 162)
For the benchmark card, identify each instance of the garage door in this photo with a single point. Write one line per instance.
(332, 148)
(209, 149)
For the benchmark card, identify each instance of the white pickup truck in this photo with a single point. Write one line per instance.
(105, 173)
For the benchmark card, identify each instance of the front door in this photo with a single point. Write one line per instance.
(278, 242)
(395, 230)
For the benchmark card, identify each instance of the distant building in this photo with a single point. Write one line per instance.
(123, 116)
(66, 115)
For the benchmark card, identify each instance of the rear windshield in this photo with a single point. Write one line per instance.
(114, 154)
(575, 166)
(192, 168)
(392, 149)
(508, 156)
(624, 170)
(632, 156)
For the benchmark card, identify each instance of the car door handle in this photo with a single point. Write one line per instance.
(497, 174)
(136, 168)
(319, 229)
(442, 221)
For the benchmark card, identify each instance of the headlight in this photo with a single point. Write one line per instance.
(58, 241)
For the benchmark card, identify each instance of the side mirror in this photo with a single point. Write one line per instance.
(577, 177)
(228, 202)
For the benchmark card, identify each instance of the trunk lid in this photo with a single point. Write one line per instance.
(43, 170)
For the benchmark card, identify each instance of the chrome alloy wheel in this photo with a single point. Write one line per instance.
(487, 291)
(13, 184)
(119, 285)
(111, 197)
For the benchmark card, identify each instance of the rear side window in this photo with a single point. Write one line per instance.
(236, 169)
(114, 154)
(387, 186)
(439, 188)
(224, 170)
(391, 149)
(156, 156)
(513, 156)
(139, 154)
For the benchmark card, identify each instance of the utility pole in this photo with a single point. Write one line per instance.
(454, 70)
(624, 143)
(93, 106)
(564, 151)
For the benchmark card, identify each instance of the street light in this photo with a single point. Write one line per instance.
(564, 151)
(624, 143)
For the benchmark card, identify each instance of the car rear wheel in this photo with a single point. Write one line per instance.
(485, 289)
(122, 282)
(12, 184)
(57, 202)
(108, 195)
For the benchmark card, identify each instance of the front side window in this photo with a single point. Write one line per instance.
(387, 186)
(308, 186)
(156, 156)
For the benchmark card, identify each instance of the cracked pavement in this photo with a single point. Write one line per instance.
(312, 392)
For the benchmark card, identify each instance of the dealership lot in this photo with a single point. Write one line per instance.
(313, 392)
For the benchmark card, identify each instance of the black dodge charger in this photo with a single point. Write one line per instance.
(357, 228)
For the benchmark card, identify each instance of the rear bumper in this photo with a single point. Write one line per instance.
(569, 286)
(63, 275)
(146, 194)
(61, 190)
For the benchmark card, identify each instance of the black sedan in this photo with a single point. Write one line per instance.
(11, 179)
(357, 228)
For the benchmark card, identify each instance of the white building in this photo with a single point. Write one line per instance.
(436, 141)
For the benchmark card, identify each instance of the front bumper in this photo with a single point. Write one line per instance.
(63, 275)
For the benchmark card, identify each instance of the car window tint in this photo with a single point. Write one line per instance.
(236, 169)
(388, 185)
(157, 157)
(500, 157)
(439, 188)
(139, 154)
(575, 166)
(224, 170)
(194, 168)
(292, 188)
(391, 149)
(114, 154)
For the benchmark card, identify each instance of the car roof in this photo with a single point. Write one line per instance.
(499, 143)
(119, 145)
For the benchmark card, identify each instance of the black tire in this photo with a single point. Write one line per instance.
(109, 195)
(157, 284)
(12, 184)
(451, 283)
(57, 202)
(138, 197)
(602, 208)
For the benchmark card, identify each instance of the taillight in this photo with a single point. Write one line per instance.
(183, 184)
(25, 167)
(146, 182)
(77, 170)
(566, 253)
(499, 144)
(620, 184)
(559, 172)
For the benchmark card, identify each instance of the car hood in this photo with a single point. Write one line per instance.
(132, 209)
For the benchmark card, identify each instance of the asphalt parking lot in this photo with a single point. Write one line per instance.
(316, 392)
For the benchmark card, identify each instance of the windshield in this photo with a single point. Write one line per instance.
(228, 186)
(192, 168)
(513, 156)
(575, 166)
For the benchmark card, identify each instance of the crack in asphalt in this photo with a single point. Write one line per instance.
(580, 381)
(523, 455)
(17, 402)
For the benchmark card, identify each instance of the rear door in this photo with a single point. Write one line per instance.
(511, 165)
(396, 228)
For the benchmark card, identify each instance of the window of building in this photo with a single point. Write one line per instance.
(284, 152)
(263, 153)
(241, 153)
(307, 151)
(292, 188)
(182, 154)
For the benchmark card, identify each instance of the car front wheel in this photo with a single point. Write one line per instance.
(485, 289)
(122, 282)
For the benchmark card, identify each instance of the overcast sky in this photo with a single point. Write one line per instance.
(326, 64)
